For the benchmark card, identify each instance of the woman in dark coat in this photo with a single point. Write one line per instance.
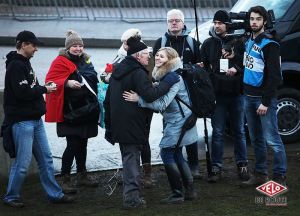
(76, 81)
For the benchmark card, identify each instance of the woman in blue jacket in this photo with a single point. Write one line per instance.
(177, 168)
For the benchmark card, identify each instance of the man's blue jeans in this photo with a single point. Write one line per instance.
(30, 138)
(232, 107)
(263, 130)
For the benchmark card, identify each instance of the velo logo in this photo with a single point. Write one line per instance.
(271, 188)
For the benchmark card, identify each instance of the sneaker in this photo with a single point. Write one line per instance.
(215, 176)
(128, 205)
(243, 172)
(173, 198)
(280, 179)
(15, 204)
(255, 180)
(64, 199)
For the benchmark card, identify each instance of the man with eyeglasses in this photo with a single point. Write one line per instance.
(126, 122)
(187, 47)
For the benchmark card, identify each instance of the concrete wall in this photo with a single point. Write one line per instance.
(5, 161)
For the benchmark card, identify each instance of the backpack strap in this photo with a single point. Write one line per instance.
(163, 41)
(177, 99)
(189, 40)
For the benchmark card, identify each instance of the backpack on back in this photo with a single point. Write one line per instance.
(200, 90)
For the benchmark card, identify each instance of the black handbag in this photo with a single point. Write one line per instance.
(81, 106)
(89, 112)
(8, 141)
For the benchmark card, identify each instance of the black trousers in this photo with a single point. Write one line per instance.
(76, 148)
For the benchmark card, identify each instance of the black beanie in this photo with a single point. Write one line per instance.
(222, 16)
(135, 45)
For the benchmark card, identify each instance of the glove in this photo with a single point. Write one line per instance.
(171, 78)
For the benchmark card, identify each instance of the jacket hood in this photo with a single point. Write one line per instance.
(170, 66)
(213, 34)
(185, 33)
(126, 66)
(64, 52)
(13, 55)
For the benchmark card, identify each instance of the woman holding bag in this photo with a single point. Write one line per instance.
(74, 107)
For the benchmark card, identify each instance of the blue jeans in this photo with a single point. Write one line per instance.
(170, 155)
(30, 138)
(263, 130)
(234, 106)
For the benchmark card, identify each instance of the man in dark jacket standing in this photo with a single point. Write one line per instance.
(128, 120)
(222, 56)
(187, 48)
(23, 107)
(262, 76)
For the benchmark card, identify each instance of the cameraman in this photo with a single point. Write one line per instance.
(221, 55)
(262, 76)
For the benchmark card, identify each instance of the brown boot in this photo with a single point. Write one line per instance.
(148, 182)
(66, 186)
(84, 180)
(255, 180)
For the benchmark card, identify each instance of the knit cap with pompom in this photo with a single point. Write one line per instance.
(72, 39)
(132, 32)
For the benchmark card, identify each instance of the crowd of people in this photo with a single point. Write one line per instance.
(245, 73)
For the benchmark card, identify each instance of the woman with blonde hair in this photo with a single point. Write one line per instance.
(177, 168)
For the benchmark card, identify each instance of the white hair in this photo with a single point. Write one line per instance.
(132, 32)
(175, 12)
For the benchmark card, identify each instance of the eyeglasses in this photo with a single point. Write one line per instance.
(174, 20)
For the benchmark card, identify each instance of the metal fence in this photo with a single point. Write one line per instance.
(127, 10)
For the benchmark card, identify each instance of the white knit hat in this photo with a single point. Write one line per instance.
(132, 32)
(72, 39)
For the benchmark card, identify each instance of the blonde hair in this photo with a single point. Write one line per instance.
(175, 12)
(171, 53)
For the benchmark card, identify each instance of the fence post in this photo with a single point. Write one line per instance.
(57, 11)
(120, 9)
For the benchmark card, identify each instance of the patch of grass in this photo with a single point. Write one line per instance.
(224, 198)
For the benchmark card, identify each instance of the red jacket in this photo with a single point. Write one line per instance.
(59, 71)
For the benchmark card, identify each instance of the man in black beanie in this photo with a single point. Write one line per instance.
(222, 56)
(125, 122)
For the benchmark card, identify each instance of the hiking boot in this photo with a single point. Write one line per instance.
(243, 172)
(64, 199)
(84, 180)
(255, 180)
(175, 197)
(280, 179)
(134, 204)
(66, 185)
(215, 176)
(147, 181)
(15, 204)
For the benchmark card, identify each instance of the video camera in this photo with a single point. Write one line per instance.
(245, 23)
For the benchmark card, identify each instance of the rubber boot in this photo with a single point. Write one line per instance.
(83, 180)
(173, 174)
(66, 186)
(188, 181)
(147, 175)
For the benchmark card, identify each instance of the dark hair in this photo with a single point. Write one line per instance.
(260, 10)
(19, 44)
